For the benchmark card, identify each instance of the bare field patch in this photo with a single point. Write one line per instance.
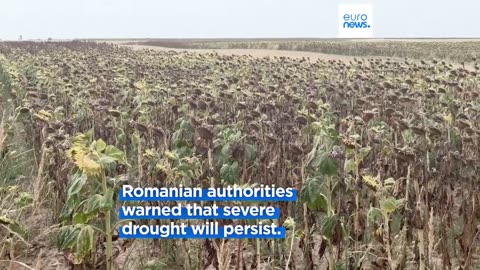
(254, 53)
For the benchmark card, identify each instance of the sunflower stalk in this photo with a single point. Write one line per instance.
(38, 185)
(108, 224)
(386, 240)
(3, 135)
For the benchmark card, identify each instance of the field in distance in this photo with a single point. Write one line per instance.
(452, 50)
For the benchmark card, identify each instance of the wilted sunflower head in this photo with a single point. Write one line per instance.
(85, 160)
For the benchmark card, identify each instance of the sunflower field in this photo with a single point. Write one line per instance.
(384, 154)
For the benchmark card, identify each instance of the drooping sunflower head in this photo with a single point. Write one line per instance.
(85, 160)
(371, 181)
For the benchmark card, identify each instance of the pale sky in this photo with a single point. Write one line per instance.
(65, 19)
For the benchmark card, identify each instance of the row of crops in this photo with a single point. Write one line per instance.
(453, 50)
(384, 154)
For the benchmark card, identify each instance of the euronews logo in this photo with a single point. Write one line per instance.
(355, 21)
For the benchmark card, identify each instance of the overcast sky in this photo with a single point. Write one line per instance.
(65, 19)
